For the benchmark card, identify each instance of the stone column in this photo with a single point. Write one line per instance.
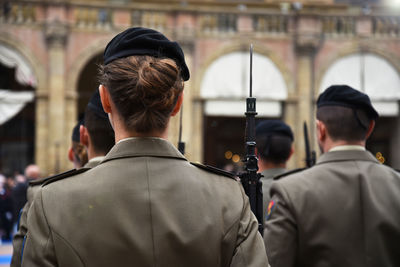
(307, 42)
(56, 37)
(41, 132)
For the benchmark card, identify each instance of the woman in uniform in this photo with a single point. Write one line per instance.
(145, 204)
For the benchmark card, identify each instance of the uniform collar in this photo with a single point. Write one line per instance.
(270, 173)
(346, 155)
(143, 147)
(347, 147)
(93, 162)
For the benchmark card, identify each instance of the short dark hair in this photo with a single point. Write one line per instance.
(100, 131)
(274, 148)
(343, 123)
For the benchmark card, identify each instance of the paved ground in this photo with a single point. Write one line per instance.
(5, 254)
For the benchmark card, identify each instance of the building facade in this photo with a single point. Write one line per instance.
(300, 48)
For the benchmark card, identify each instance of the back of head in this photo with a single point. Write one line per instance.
(144, 73)
(80, 156)
(98, 125)
(144, 90)
(32, 171)
(274, 141)
(346, 113)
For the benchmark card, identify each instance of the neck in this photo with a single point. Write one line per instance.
(266, 165)
(329, 144)
(122, 133)
(91, 152)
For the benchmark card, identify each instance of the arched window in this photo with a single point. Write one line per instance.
(370, 74)
(226, 84)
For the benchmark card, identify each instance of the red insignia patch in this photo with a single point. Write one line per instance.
(271, 206)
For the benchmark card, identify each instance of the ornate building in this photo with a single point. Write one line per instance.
(49, 51)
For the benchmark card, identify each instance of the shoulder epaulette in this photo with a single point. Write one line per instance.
(63, 175)
(288, 173)
(214, 170)
(43, 180)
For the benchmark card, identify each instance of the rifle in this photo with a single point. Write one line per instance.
(250, 179)
(181, 145)
(310, 155)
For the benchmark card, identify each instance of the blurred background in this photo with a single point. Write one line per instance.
(50, 50)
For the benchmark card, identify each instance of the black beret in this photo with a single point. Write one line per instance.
(345, 96)
(75, 131)
(274, 127)
(142, 41)
(95, 105)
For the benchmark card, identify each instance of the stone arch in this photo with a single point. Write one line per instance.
(76, 68)
(392, 59)
(39, 71)
(221, 104)
(243, 47)
(37, 67)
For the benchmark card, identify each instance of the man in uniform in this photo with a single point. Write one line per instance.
(274, 148)
(96, 133)
(345, 210)
(97, 136)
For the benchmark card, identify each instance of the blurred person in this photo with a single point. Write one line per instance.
(345, 210)
(6, 209)
(77, 153)
(32, 172)
(274, 143)
(96, 134)
(98, 138)
(144, 204)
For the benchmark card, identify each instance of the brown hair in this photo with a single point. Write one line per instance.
(80, 153)
(344, 123)
(144, 89)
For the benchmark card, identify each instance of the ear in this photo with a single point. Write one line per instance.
(177, 105)
(105, 98)
(321, 130)
(291, 152)
(370, 129)
(71, 154)
(84, 136)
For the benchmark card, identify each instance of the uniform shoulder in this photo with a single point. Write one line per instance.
(214, 170)
(285, 174)
(57, 177)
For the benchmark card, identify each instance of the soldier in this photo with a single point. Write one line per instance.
(97, 136)
(96, 133)
(345, 210)
(144, 204)
(274, 148)
(77, 153)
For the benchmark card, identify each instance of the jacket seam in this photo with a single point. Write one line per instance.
(362, 215)
(70, 246)
(236, 222)
(151, 214)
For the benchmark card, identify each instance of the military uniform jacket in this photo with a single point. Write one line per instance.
(34, 187)
(344, 211)
(143, 205)
(266, 180)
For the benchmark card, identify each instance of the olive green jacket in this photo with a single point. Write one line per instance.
(144, 205)
(266, 180)
(344, 211)
(34, 187)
